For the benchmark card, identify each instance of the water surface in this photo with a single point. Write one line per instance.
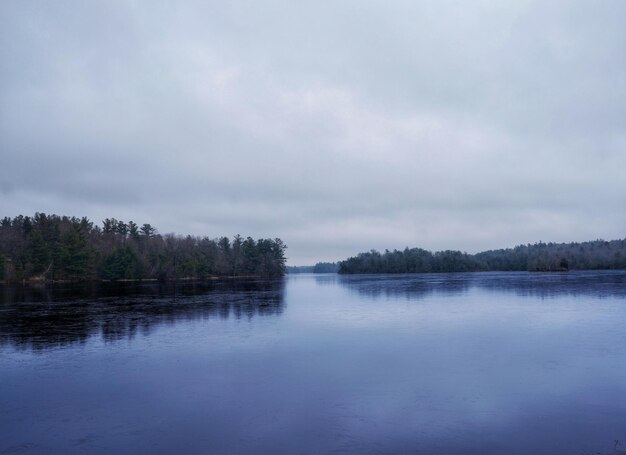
(487, 363)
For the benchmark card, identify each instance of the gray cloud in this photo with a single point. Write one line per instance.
(338, 127)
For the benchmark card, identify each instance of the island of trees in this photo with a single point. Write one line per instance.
(58, 248)
(541, 257)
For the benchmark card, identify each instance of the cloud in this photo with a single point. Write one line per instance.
(337, 127)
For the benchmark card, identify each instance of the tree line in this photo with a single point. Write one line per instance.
(53, 247)
(593, 255)
(325, 267)
(320, 267)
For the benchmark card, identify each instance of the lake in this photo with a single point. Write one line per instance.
(482, 363)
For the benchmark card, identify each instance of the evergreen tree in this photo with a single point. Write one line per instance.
(38, 253)
(147, 230)
(122, 264)
(75, 255)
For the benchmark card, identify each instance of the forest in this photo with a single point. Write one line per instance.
(61, 248)
(538, 257)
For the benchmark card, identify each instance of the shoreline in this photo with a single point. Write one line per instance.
(187, 279)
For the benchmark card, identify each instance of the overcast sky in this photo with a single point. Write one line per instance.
(337, 126)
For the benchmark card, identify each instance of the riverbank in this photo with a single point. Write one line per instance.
(38, 281)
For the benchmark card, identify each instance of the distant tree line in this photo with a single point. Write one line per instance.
(300, 269)
(326, 267)
(320, 267)
(598, 254)
(52, 247)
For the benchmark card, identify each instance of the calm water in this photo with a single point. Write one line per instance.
(494, 363)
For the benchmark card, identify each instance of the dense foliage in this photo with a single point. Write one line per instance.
(53, 247)
(598, 254)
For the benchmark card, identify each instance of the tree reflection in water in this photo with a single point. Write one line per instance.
(42, 317)
(531, 284)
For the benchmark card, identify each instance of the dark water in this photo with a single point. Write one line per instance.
(494, 363)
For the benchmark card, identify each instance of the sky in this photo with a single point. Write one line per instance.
(337, 126)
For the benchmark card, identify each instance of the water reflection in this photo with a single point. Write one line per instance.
(40, 317)
(493, 370)
(542, 285)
